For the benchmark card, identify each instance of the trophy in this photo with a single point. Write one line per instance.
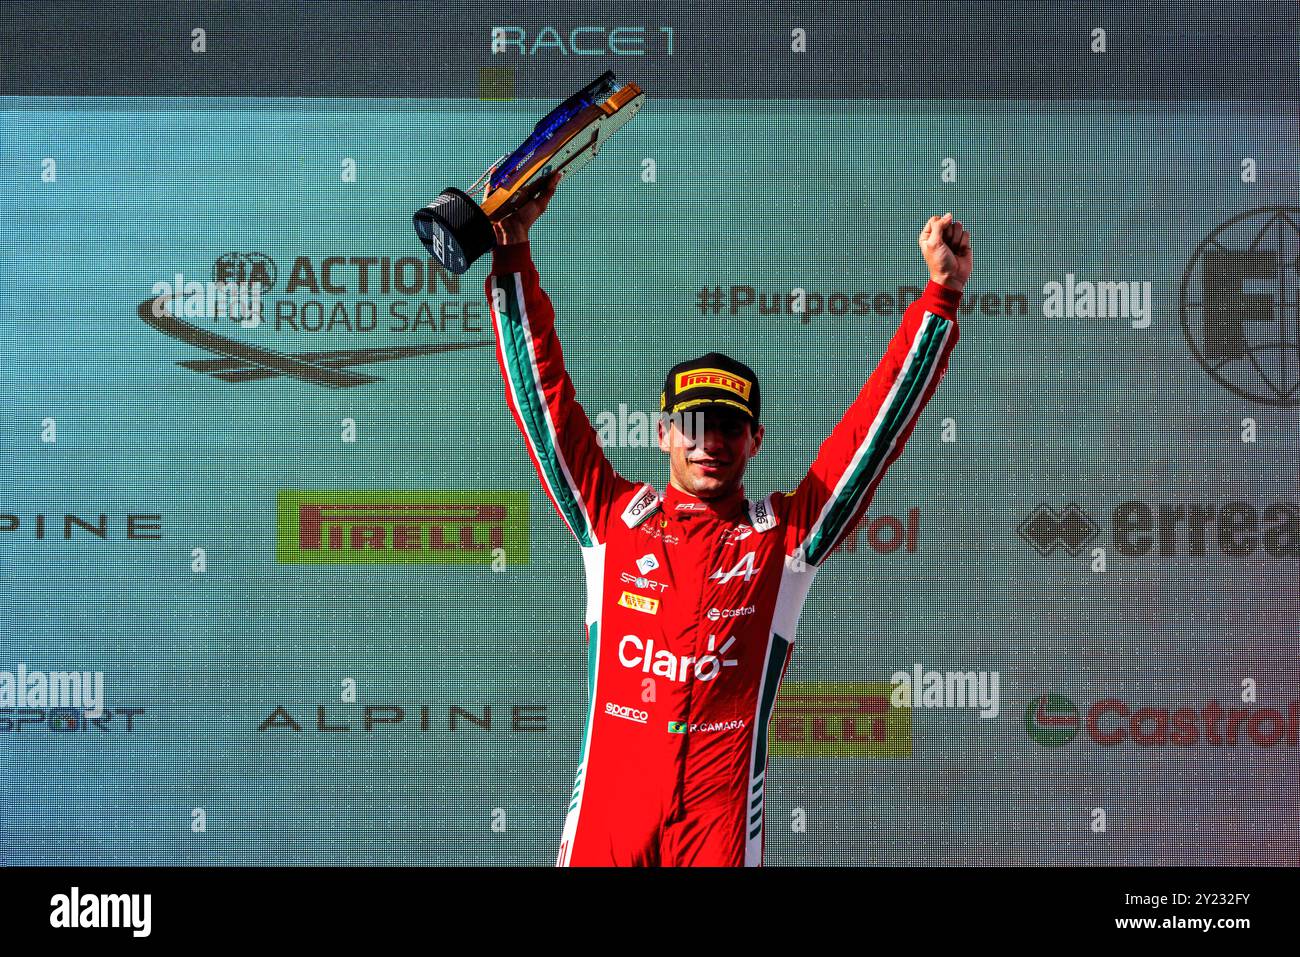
(457, 230)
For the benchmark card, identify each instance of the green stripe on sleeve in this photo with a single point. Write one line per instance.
(533, 412)
(908, 394)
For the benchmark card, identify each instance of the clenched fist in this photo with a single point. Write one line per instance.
(514, 227)
(945, 244)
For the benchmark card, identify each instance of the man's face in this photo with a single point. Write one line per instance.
(708, 448)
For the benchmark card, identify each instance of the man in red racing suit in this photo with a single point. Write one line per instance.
(693, 600)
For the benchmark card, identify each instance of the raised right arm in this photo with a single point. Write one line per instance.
(562, 444)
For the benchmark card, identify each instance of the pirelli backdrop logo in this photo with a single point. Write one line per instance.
(381, 527)
(839, 719)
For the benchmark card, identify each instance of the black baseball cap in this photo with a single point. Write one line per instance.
(712, 379)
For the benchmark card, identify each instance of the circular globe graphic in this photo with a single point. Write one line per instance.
(1240, 305)
(246, 267)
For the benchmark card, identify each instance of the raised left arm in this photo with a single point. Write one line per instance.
(870, 437)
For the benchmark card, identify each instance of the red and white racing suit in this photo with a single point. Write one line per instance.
(692, 605)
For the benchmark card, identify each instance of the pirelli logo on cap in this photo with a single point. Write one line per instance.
(639, 602)
(714, 379)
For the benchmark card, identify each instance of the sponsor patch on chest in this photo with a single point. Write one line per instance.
(644, 504)
(639, 602)
(761, 515)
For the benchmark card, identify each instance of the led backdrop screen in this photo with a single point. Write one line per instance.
(1086, 564)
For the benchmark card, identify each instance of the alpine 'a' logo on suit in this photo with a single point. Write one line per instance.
(744, 569)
